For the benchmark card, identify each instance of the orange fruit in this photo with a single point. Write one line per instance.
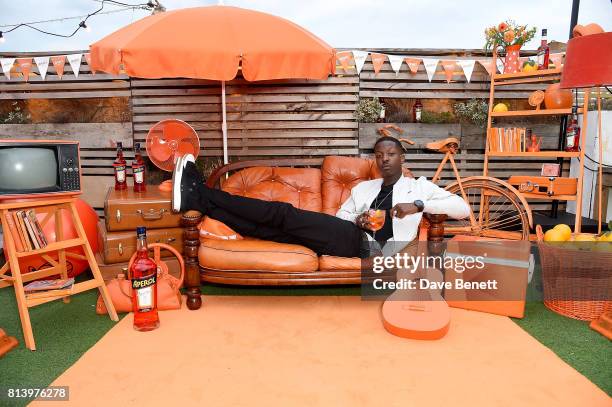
(565, 230)
(553, 235)
(607, 237)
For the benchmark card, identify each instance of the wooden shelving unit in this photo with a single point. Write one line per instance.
(534, 77)
(12, 275)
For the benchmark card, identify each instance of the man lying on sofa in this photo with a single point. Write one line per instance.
(349, 233)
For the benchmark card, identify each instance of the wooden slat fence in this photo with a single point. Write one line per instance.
(291, 118)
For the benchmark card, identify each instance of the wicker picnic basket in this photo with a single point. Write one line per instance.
(577, 282)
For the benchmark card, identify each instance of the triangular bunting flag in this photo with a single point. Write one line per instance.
(7, 65)
(499, 64)
(468, 67)
(488, 65)
(378, 60)
(344, 58)
(449, 68)
(88, 60)
(430, 67)
(396, 62)
(58, 63)
(43, 65)
(75, 63)
(413, 64)
(26, 67)
(360, 58)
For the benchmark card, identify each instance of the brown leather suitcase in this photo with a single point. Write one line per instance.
(110, 271)
(117, 247)
(547, 186)
(126, 210)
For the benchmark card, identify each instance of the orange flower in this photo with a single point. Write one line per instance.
(502, 26)
(509, 35)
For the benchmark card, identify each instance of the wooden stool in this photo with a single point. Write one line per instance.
(51, 207)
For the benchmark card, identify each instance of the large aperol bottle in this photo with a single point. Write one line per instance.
(144, 286)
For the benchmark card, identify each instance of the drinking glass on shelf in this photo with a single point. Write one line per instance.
(376, 219)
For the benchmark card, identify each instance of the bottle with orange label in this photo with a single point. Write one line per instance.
(144, 286)
(120, 168)
(139, 170)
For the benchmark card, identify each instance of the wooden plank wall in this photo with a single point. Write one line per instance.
(293, 118)
(282, 118)
(97, 152)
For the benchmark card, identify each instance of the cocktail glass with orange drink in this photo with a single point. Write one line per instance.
(376, 218)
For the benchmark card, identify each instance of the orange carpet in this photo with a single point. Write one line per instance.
(320, 351)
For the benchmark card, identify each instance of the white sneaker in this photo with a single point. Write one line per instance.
(176, 184)
(188, 158)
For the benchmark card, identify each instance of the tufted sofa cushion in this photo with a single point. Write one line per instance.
(300, 187)
(339, 175)
(251, 254)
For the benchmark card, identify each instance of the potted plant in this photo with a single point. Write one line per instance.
(510, 37)
(369, 111)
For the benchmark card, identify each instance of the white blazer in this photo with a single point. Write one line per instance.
(405, 190)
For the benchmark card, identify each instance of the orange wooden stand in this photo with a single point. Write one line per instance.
(51, 207)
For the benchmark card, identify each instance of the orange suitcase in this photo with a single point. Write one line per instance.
(118, 247)
(548, 186)
(126, 210)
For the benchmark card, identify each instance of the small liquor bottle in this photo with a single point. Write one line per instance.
(543, 51)
(138, 169)
(120, 165)
(417, 109)
(144, 286)
(572, 134)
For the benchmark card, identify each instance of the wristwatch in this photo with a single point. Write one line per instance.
(419, 204)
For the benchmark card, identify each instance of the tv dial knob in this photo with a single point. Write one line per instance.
(76, 169)
(64, 169)
(70, 169)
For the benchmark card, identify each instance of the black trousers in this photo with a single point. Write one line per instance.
(282, 222)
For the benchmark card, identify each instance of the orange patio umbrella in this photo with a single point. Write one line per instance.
(214, 43)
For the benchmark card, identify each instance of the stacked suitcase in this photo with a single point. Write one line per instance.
(123, 212)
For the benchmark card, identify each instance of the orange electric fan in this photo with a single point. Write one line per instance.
(167, 140)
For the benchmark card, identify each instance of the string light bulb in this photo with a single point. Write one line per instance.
(2, 39)
(85, 26)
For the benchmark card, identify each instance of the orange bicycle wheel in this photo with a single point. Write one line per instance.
(497, 211)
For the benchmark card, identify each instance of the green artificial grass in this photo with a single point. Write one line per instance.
(63, 332)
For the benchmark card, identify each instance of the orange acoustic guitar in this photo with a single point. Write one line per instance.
(417, 313)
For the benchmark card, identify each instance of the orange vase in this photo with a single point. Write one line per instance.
(511, 63)
(557, 98)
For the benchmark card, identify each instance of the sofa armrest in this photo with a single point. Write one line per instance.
(191, 244)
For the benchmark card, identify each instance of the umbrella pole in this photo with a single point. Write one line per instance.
(224, 124)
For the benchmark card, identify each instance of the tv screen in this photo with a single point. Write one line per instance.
(28, 169)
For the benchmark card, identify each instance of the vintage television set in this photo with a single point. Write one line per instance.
(39, 168)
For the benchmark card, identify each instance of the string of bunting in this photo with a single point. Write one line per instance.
(24, 66)
(356, 59)
(347, 59)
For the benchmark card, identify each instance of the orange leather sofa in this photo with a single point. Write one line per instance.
(313, 184)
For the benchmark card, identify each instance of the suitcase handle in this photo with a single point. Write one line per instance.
(152, 214)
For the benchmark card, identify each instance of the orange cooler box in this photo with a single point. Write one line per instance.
(499, 286)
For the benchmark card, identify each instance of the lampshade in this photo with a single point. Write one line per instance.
(588, 61)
